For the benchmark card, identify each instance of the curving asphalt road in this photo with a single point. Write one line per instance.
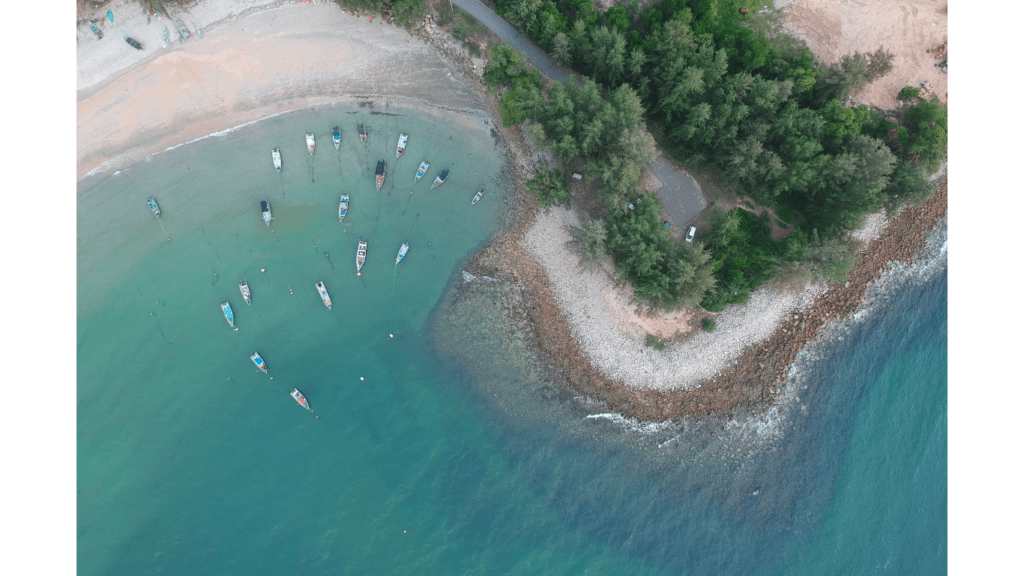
(506, 32)
(679, 192)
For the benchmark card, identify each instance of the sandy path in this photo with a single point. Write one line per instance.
(836, 28)
(282, 58)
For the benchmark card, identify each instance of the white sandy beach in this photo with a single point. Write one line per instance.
(255, 59)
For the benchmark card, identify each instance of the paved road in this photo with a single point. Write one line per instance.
(506, 32)
(680, 192)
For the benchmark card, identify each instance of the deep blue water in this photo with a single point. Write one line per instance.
(458, 453)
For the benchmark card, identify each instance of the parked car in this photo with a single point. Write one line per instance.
(690, 233)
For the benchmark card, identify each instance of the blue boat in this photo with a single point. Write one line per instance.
(343, 207)
(402, 252)
(336, 132)
(259, 362)
(228, 314)
(154, 207)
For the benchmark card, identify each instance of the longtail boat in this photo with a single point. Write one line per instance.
(343, 207)
(228, 314)
(402, 139)
(258, 361)
(275, 154)
(323, 294)
(362, 134)
(337, 138)
(265, 208)
(300, 399)
(382, 168)
(153, 207)
(133, 43)
(421, 171)
(310, 143)
(441, 179)
(243, 286)
(360, 257)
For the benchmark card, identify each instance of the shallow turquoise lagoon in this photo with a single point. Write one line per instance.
(454, 455)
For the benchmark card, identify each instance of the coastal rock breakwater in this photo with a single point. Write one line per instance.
(752, 383)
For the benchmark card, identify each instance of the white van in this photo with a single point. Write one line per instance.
(690, 233)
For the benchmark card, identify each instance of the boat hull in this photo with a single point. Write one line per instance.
(343, 207)
(310, 143)
(360, 256)
(402, 139)
(337, 138)
(300, 399)
(441, 179)
(258, 361)
(246, 295)
(228, 314)
(402, 252)
(275, 154)
(323, 294)
(477, 198)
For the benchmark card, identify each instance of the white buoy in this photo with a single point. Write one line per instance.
(263, 269)
(361, 378)
(391, 335)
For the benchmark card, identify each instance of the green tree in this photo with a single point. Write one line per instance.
(591, 238)
(908, 93)
(551, 186)
(505, 65)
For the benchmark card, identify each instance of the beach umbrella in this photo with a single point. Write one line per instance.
(110, 15)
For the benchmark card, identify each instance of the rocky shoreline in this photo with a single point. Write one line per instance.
(752, 383)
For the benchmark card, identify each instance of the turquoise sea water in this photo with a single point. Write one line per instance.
(456, 454)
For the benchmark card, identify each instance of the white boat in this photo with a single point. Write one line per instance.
(243, 286)
(360, 257)
(422, 170)
(276, 155)
(323, 294)
(310, 143)
(402, 139)
(441, 179)
(336, 132)
(300, 399)
(343, 207)
(477, 198)
(258, 361)
(228, 314)
(265, 208)
(402, 252)
(382, 169)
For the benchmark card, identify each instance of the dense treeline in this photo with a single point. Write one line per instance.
(729, 90)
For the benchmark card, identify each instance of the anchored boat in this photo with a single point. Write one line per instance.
(323, 294)
(300, 399)
(265, 208)
(402, 252)
(360, 257)
(259, 362)
(276, 155)
(133, 42)
(243, 286)
(422, 170)
(441, 179)
(477, 198)
(167, 38)
(228, 314)
(382, 168)
(362, 133)
(99, 34)
(310, 142)
(402, 139)
(153, 207)
(337, 137)
(343, 207)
